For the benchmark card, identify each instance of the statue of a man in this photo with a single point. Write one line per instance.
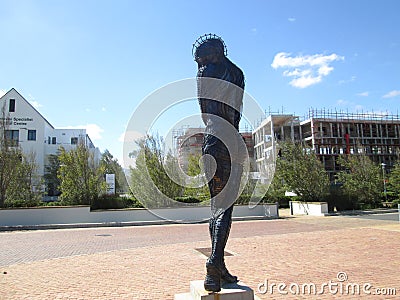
(220, 86)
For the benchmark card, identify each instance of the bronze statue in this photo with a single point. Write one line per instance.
(220, 85)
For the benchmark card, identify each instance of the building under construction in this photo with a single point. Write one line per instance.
(189, 141)
(330, 134)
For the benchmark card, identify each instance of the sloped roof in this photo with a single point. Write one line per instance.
(13, 89)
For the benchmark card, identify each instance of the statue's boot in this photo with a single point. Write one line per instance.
(216, 269)
(212, 282)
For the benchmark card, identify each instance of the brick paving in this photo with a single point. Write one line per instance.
(156, 262)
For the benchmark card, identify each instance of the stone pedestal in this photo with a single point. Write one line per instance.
(233, 291)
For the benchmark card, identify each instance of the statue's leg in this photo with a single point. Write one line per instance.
(219, 227)
(217, 273)
(221, 231)
(221, 220)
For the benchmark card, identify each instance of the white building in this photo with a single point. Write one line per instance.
(28, 129)
(267, 135)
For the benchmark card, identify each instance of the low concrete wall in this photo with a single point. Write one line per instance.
(308, 208)
(83, 215)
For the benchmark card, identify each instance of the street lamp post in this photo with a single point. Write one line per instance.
(384, 180)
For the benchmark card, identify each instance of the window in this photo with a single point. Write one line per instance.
(11, 107)
(54, 140)
(48, 140)
(12, 136)
(74, 141)
(31, 135)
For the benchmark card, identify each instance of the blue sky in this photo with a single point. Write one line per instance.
(90, 63)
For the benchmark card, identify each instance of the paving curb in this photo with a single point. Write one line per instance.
(169, 222)
(363, 212)
(118, 224)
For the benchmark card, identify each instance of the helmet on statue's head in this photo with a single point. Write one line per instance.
(209, 45)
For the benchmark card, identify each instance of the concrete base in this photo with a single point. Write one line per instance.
(233, 291)
(308, 208)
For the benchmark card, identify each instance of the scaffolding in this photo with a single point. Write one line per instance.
(350, 116)
(331, 133)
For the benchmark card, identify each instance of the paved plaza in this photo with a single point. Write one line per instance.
(334, 254)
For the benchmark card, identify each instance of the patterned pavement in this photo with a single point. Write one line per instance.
(290, 256)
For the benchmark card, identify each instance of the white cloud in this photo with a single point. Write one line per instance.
(349, 105)
(363, 94)
(360, 109)
(291, 19)
(324, 70)
(93, 130)
(35, 104)
(103, 109)
(130, 136)
(305, 81)
(392, 94)
(352, 78)
(307, 70)
(342, 102)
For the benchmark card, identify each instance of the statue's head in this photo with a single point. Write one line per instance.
(209, 48)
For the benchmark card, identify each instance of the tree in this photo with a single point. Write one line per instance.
(112, 166)
(51, 179)
(82, 179)
(276, 192)
(18, 172)
(149, 178)
(194, 167)
(194, 170)
(361, 178)
(301, 171)
(393, 186)
(10, 157)
(10, 160)
(26, 184)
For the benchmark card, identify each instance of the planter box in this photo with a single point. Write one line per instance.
(43, 215)
(308, 208)
(82, 216)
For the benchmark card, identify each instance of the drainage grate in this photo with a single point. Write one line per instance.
(103, 234)
(207, 252)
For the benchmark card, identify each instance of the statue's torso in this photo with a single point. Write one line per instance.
(222, 98)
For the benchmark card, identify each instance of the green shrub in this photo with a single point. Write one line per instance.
(132, 202)
(53, 203)
(244, 199)
(114, 202)
(187, 199)
(390, 196)
(21, 203)
(397, 201)
(283, 201)
(344, 202)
